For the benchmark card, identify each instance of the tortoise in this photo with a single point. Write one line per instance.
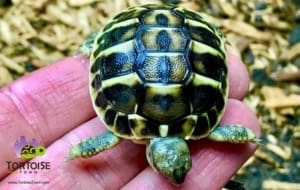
(158, 75)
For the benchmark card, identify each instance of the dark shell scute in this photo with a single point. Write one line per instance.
(119, 93)
(163, 40)
(161, 17)
(101, 100)
(109, 117)
(122, 125)
(164, 69)
(96, 83)
(164, 108)
(164, 102)
(95, 66)
(117, 63)
(152, 39)
(202, 97)
(213, 116)
(194, 16)
(208, 65)
(150, 129)
(125, 15)
(190, 15)
(205, 36)
(143, 127)
(219, 101)
(176, 128)
(202, 126)
(122, 97)
(117, 36)
(162, 20)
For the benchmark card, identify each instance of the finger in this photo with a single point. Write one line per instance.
(238, 113)
(43, 105)
(110, 169)
(213, 163)
(238, 77)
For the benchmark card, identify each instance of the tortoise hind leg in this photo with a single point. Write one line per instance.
(94, 145)
(233, 134)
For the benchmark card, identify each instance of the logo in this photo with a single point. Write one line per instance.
(28, 150)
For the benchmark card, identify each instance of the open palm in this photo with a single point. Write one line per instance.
(53, 106)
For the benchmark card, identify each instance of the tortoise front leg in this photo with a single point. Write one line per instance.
(87, 47)
(233, 134)
(94, 145)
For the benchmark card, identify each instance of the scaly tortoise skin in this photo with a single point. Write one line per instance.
(158, 74)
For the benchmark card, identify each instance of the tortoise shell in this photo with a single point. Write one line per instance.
(159, 71)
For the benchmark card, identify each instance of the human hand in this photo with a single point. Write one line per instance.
(53, 106)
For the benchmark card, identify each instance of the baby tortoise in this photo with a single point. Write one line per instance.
(158, 75)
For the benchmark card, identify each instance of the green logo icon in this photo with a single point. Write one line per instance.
(28, 149)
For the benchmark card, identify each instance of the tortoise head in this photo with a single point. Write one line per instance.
(169, 156)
